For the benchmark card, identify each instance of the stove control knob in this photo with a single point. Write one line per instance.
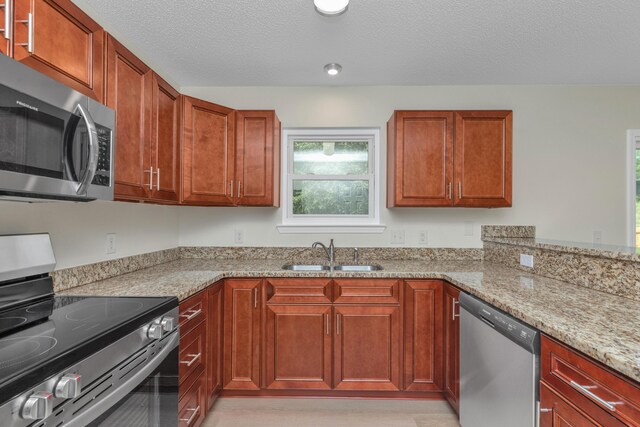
(155, 331)
(68, 387)
(168, 324)
(38, 406)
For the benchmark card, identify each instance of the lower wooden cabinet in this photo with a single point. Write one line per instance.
(192, 406)
(367, 348)
(557, 412)
(423, 340)
(298, 347)
(242, 320)
(451, 321)
(215, 300)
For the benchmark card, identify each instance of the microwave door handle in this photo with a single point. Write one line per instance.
(93, 149)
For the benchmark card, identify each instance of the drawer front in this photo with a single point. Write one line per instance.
(588, 384)
(298, 291)
(192, 352)
(369, 291)
(191, 407)
(192, 311)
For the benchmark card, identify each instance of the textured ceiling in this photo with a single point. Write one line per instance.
(381, 42)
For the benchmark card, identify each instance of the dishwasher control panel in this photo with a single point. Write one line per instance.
(516, 330)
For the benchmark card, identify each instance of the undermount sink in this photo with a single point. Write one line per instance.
(356, 267)
(306, 267)
(340, 267)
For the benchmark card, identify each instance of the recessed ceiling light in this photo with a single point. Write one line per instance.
(333, 69)
(331, 7)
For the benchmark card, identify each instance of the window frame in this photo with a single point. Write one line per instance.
(331, 223)
(633, 144)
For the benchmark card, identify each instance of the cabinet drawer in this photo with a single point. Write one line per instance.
(191, 407)
(588, 384)
(192, 352)
(369, 291)
(192, 311)
(298, 291)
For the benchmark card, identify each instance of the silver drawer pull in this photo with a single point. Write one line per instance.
(192, 314)
(453, 309)
(189, 420)
(193, 357)
(586, 390)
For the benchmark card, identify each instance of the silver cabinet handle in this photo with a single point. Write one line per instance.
(29, 22)
(338, 324)
(192, 314)
(326, 319)
(450, 190)
(459, 189)
(158, 179)
(231, 192)
(239, 185)
(453, 309)
(585, 389)
(7, 19)
(189, 420)
(255, 297)
(150, 178)
(193, 357)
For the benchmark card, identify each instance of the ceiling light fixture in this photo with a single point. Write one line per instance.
(331, 7)
(333, 69)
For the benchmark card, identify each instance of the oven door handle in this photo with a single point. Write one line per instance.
(118, 394)
(93, 149)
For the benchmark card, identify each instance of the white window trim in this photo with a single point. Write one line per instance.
(330, 224)
(633, 143)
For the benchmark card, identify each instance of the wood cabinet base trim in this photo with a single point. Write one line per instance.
(335, 394)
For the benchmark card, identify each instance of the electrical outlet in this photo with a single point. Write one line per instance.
(468, 228)
(526, 260)
(423, 237)
(397, 237)
(238, 236)
(111, 244)
(597, 237)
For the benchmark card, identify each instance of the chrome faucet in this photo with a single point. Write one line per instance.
(329, 251)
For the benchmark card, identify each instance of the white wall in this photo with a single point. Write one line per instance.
(568, 160)
(78, 230)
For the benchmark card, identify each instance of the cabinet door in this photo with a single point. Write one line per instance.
(557, 412)
(6, 26)
(56, 38)
(128, 92)
(165, 140)
(483, 158)
(257, 158)
(214, 343)
(451, 345)
(242, 334)
(367, 348)
(420, 158)
(208, 156)
(423, 335)
(298, 347)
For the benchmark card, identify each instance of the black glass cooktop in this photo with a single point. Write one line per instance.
(61, 331)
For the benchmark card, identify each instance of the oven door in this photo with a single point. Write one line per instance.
(46, 150)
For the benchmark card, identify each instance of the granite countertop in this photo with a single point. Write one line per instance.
(604, 326)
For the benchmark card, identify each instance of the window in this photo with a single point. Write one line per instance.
(634, 187)
(331, 181)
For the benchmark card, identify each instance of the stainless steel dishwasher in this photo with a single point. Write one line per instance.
(499, 367)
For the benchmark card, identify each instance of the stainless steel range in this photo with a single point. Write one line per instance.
(81, 361)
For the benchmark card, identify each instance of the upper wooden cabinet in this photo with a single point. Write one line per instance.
(208, 153)
(129, 94)
(257, 158)
(446, 158)
(56, 38)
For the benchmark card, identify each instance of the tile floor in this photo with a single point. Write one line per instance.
(268, 412)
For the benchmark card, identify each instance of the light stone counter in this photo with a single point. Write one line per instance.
(603, 326)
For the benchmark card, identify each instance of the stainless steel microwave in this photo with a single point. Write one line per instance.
(55, 143)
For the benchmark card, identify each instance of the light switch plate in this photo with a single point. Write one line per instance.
(397, 237)
(423, 237)
(238, 236)
(526, 260)
(110, 244)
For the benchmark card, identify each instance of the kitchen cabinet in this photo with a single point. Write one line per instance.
(298, 334)
(451, 320)
(257, 158)
(242, 323)
(193, 337)
(449, 158)
(215, 300)
(208, 153)
(56, 38)
(579, 385)
(191, 407)
(483, 158)
(423, 337)
(128, 93)
(165, 141)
